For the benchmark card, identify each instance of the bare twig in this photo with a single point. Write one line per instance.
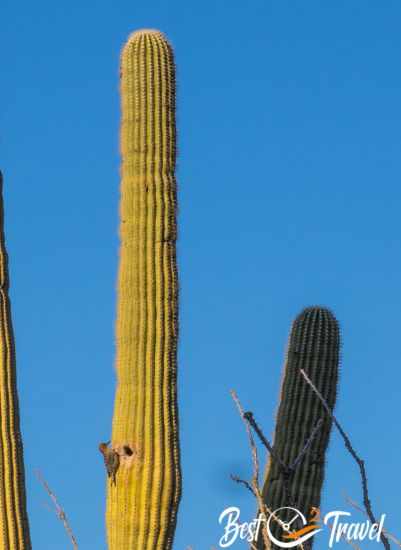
(243, 482)
(307, 444)
(286, 471)
(255, 458)
(354, 455)
(255, 484)
(255, 461)
(250, 418)
(59, 511)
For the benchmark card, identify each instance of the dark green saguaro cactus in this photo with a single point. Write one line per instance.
(313, 346)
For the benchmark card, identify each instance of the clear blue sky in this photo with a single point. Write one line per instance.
(289, 170)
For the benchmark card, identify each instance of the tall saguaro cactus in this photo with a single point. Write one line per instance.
(313, 346)
(142, 506)
(14, 528)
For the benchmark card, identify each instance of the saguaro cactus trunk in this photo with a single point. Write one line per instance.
(313, 346)
(14, 529)
(142, 506)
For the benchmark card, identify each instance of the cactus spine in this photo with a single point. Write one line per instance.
(142, 507)
(313, 345)
(14, 529)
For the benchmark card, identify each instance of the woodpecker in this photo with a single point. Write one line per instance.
(111, 460)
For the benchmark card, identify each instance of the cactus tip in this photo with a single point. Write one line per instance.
(145, 32)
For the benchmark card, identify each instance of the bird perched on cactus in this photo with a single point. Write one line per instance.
(111, 460)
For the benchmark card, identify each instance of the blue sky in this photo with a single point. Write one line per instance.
(289, 121)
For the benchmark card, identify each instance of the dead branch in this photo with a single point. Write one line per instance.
(307, 444)
(244, 483)
(354, 455)
(59, 511)
(250, 418)
(255, 480)
(255, 461)
(287, 472)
